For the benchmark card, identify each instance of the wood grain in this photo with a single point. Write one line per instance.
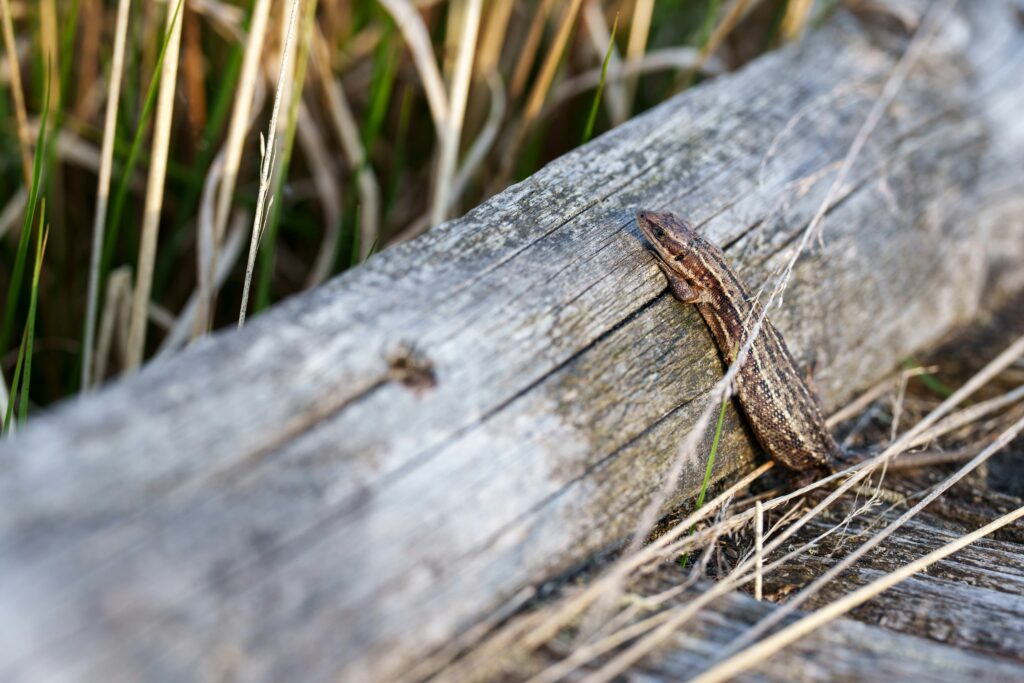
(277, 503)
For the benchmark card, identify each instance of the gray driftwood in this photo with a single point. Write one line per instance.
(309, 498)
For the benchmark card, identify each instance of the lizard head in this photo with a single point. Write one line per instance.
(670, 235)
(675, 243)
(682, 254)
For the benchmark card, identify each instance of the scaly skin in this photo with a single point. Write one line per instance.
(783, 414)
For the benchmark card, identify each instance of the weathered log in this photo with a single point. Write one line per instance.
(843, 650)
(375, 466)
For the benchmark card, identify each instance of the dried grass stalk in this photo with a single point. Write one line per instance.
(154, 190)
(103, 190)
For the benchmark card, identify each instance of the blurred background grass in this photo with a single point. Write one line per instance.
(391, 116)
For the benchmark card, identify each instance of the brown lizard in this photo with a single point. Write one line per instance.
(784, 415)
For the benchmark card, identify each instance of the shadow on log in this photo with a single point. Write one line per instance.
(283, 502)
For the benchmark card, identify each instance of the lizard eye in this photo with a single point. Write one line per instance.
(658, 232)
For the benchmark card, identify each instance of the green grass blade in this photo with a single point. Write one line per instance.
(401, 150)
(30, 325)
(684, 560)
(588, 130)
(711, 457)
(357, 246)
(382, 83)
(9, 415)
(67, 46)
(18, 272)
(930, 381)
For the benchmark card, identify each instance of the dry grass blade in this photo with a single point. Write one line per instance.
(474, 157)
(751, 656)
(483, 142)
(206, 292)
(529, 49)
(968, 416)
(49, 44)
(232, 248)
(4, 397)
(103, 191)
(117, 300)
(154, 190)
(314, 149)
(758, 549)
(723, 29)
(550, 65)
(347, 130)
(795, 20)
(91, 15)
(416, 37)
(241, 120)
(639, 29)
(18, 94)
(493, 37)
(268, 146)
(456, 111)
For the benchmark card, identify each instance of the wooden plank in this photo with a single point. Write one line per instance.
(971, 600)
(844, 650)
(279, 502)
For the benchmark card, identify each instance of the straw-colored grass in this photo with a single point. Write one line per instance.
(640, 28)
(154, 189)
(268, 146)
(103, 192)
(17, 93)
(456, 110)
(212, 233)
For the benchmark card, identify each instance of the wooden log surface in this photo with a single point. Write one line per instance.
(372, 468)
(844, 650)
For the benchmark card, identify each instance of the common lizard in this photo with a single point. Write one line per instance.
(785, 417)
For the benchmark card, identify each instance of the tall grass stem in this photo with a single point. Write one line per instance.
(154, 190)
(103, 192)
